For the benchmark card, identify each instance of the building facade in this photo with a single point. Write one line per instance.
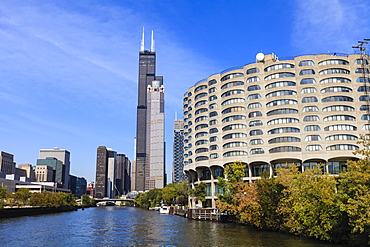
(123, 180)
(101, 172)
(178, 175)
(305, 110)
(62, 155)
(7, 164)
(44, 173)
(147, 70)
(57, 166)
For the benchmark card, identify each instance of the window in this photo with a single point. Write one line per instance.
(363, 89)
(234, 135)
(310, 109)
(335, 80)
(213, 156)
(312, 128)
(365, 108)
(212, 106)
(213, 130)
(254, 105)
(201, 110)
(201, 126)
(306, 63)
(280, 84)
(234, 126)
(366, 127)
(252, 71)
(281, 102)
(255, 123)
(232, 84)
(254, 114)
(232, 101)
(233, 109)
(202, 102)
(213, 147)
(254, 96)
(364, 98)
(339, 118)
(235, 153)
(200, 95)
(282, 121)
(365, 117)
(201, 118)
(201, 142)
(336, 167)
(211, 82)
(279, 75)
(253, 79)
(311, 118)
(234, 144)
(201, 158)
(200, 88)
(213, 97)
(284, 139)
(213, 114)
(336, 89)
(307, 72)
(313, 148)
(312, 138)
(282, 111)
(200, 134)
(342, 147)
(201, 150)
(229, 76)
(254, 87)
(233, 118)
(213, 139)
(337, 98)
(363, 79)
(279, 66)
(309, 99)
(334, 71)
(231, 92)
(338, 108)
(308, 90)
(281, 93)
(361, 61)
(190, 94)
(284, 149)
(283, 130)
(307, 81)
(340, 127)
(212, 90)
(362, 71)
(255, 132)
(257, 151)
(213, 122)
(341, 138)
(332, 62)
(255, 142)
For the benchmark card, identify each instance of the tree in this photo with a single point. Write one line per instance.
(21, 196)
(199, 192)
(3, 196)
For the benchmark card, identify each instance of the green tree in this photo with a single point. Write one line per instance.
(199, 192)
(4, 194)
(21, 196)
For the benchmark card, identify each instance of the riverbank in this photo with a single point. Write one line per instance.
(9, 212)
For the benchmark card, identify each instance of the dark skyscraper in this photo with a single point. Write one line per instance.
(178, 175)
(147, 63)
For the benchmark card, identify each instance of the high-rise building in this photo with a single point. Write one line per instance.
(101, 172)
(58, 168)
(178, 174)
(111, 191)
(62, 155)
(305, 110)
(147, 66)
(123, 181)
(7, 164)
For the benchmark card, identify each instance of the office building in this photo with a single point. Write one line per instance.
(57, 166)
(30, 171)
(77, 185)
(101, 172)
(62, 155)
(123, 171)
(7, 164)
(44, 173)
(143, 168)
(178, 174)
(305, 110)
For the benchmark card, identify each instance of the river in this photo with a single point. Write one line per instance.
(128, 226)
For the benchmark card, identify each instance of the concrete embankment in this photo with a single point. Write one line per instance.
(28, 211)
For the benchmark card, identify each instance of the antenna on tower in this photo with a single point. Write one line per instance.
(152, 43)
(175, 115)
(142, 41)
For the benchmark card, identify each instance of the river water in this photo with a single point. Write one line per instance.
(128, 226)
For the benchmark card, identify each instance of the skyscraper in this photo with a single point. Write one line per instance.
(178, 175)
(147, 63)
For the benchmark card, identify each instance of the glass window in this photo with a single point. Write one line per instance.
(281, 102)
(279, 66)
(284, 149)
(213, 139)
(337, 166)
(254, 105)
(257, 151)
(258, 169)
(202, 102)
(365, 117)
(337, 98)
(201, 158)
(232, 101)
(212, 106)
(200, 88)
(213, 147)
(282, 111)
(212, 90)
(231, 92)
(307, 72)
(361, 61)
(308, 90)
(213, 156)
(234, 135)
(232, 84)
(307, 81)
(306, 63)
(340, 127)
(200, 134)
(201, 118)
(363, 89)
(213, 130)
(200, 95)
(201, 150)
(201, 142)
(253, 79)
(255, 142)
(234, 126)
(313, 148)
(229, 76)
(281, 93)
(255, 132)
(213, 114)
(362, 71)
(364, 98)
(201, 110)
(365, 108)
(235, 153)
(201, 126)
(363, 79)
(280, 84)
(339, 118)
(233, 118)
(212, 122)
(255, 114)
(341, 137)
(284, 139)
(254, 96)
(312, 138)
(255, 123)
(211, 82)
(309, 99)
(283, 130)
(234, 144)
(334, 71)
(254, 87)
(342, 147)
(333, 61)
(233, 109)
(338, 108)
(279, 75)
(282, 121)
(311, 118)
(335, 80)
(336, 89)
(252, 71)
(213, 97)
(312, 128)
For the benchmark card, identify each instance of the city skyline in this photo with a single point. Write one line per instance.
(69, 70)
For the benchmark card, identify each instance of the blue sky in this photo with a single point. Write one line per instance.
(68, 69)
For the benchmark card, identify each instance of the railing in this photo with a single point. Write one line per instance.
(212, 214)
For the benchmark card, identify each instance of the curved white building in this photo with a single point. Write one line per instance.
(305, 110)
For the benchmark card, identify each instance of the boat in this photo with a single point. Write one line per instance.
(164, 210)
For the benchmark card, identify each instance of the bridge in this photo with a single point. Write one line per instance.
(113, 200)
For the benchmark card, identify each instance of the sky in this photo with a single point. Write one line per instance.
(69, 69)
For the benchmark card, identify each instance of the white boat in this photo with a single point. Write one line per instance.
(164, 210)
